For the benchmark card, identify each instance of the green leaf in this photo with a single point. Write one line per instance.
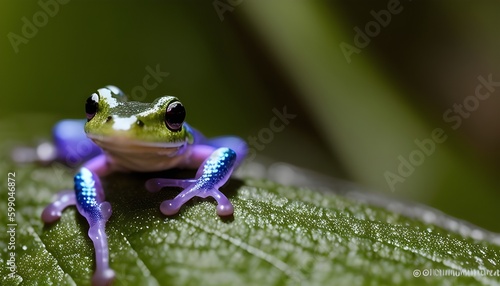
(278, 236)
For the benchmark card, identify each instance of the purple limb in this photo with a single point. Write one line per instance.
(103, 274)
(238, 145)
(72, 145)
(88, 197)
(154, 185)
(213, 174)
(224, 206)
(203, 147)
(90, 204)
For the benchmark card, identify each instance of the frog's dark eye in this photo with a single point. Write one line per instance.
(175, 115)
(91, 106)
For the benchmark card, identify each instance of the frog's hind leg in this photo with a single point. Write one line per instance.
(90, 203)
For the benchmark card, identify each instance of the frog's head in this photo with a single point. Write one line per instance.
(116, 123)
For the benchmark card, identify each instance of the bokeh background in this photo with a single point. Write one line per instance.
(233, 62)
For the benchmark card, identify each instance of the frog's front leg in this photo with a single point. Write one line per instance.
(212, 174)
(88, 196)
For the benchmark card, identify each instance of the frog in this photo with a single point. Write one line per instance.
(131, 136)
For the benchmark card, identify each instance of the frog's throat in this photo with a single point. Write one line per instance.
(138, 156)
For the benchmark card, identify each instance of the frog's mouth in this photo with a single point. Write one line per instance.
(115, 144)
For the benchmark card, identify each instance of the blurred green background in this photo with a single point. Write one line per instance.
(233, 62)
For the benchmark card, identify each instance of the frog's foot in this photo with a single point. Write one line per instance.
(212, 174)
(224, 206)
(53, 211)
(90, 204)
(171, 207)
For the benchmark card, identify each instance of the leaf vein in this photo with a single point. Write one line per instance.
(269, 258)
(140, 262)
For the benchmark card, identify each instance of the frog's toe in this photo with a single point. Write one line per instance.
(103, 278)
(153, 185)
(51, 214)
(224, 206)
(53, 211)
(170, 207)
(225, 209)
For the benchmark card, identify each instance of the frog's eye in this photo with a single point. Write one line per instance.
(91, 106)
(175, 115)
